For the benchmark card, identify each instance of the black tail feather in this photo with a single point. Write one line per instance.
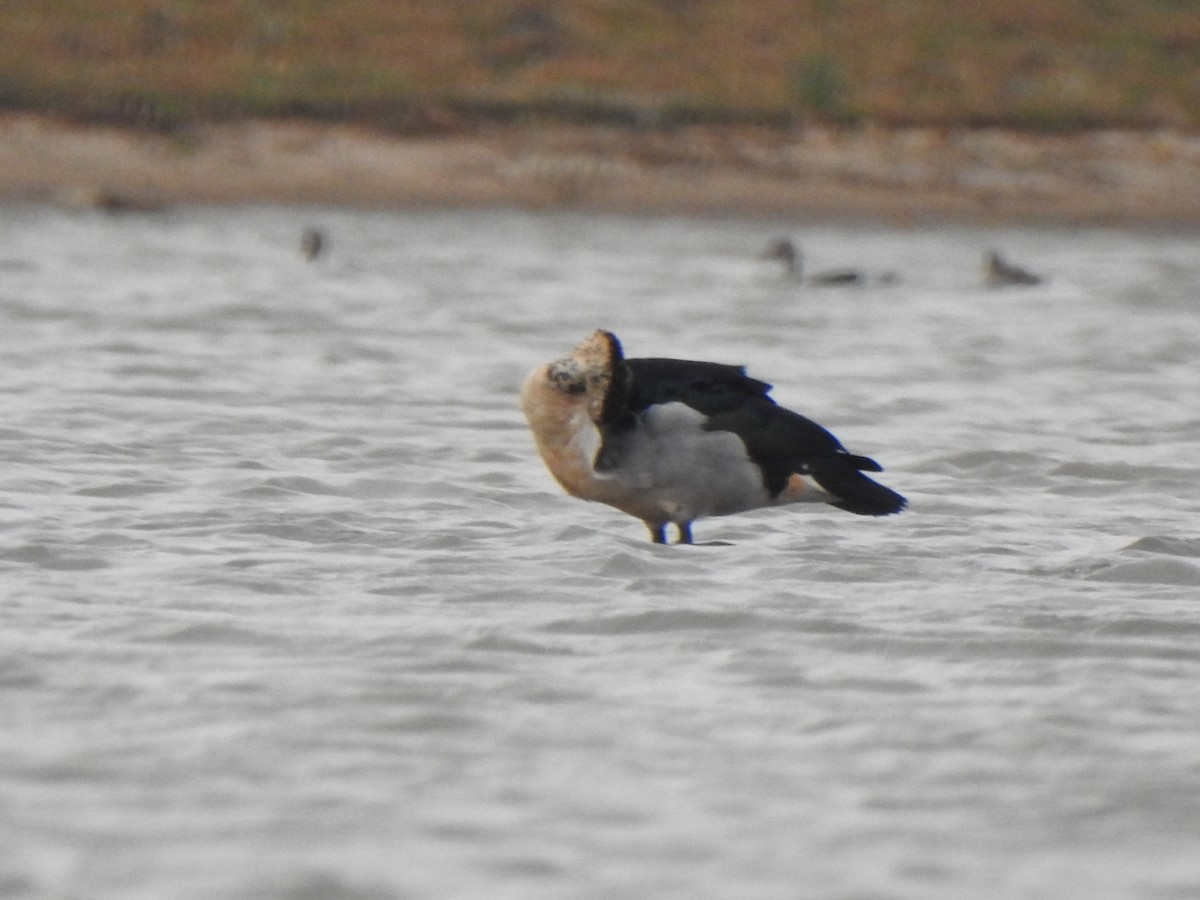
(862, 463)
(855, 492)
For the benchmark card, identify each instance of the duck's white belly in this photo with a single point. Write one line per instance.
(687, 471)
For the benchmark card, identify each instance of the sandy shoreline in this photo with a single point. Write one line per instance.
(1116, 177)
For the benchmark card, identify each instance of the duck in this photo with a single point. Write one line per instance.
(999, 272)
(312, 243)
(786, 251)
(670, 441)
(111, 202)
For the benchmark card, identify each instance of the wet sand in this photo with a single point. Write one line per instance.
(1104, 176)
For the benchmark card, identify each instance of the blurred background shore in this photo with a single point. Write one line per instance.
(1079, 111)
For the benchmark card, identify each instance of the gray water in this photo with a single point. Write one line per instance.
(290, 609)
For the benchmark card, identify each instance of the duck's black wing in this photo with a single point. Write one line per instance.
(780, 441)
(710, 388)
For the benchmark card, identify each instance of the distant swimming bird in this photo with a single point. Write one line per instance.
(110, 201)
(998, 272)
(786, 251)
(312, 243)
(672, 441)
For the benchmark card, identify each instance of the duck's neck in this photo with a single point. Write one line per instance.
(563, 431)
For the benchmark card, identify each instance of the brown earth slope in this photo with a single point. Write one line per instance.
(1080, 110)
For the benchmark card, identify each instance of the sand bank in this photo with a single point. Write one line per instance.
(814, 172)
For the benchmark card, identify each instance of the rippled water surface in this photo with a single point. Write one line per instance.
(290, 609)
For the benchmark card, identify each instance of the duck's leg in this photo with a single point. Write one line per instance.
(685, 532)
(658, 532)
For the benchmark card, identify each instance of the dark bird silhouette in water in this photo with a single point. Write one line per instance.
(312, 243)
(786, 251)
(998, 272)
(111, 202)
(672, 440)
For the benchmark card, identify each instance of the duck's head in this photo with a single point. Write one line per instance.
(592, 375)
(784, 250)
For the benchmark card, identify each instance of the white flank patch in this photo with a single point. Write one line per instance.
(690, 471)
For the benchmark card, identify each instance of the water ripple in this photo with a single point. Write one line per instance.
(655, 621)
(286, 587)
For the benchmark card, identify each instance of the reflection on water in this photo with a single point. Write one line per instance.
(292, 609)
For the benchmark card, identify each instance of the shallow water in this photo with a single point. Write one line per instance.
(291, 610)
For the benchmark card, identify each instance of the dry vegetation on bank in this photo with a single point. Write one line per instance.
(1072, 110)
(419, 65)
